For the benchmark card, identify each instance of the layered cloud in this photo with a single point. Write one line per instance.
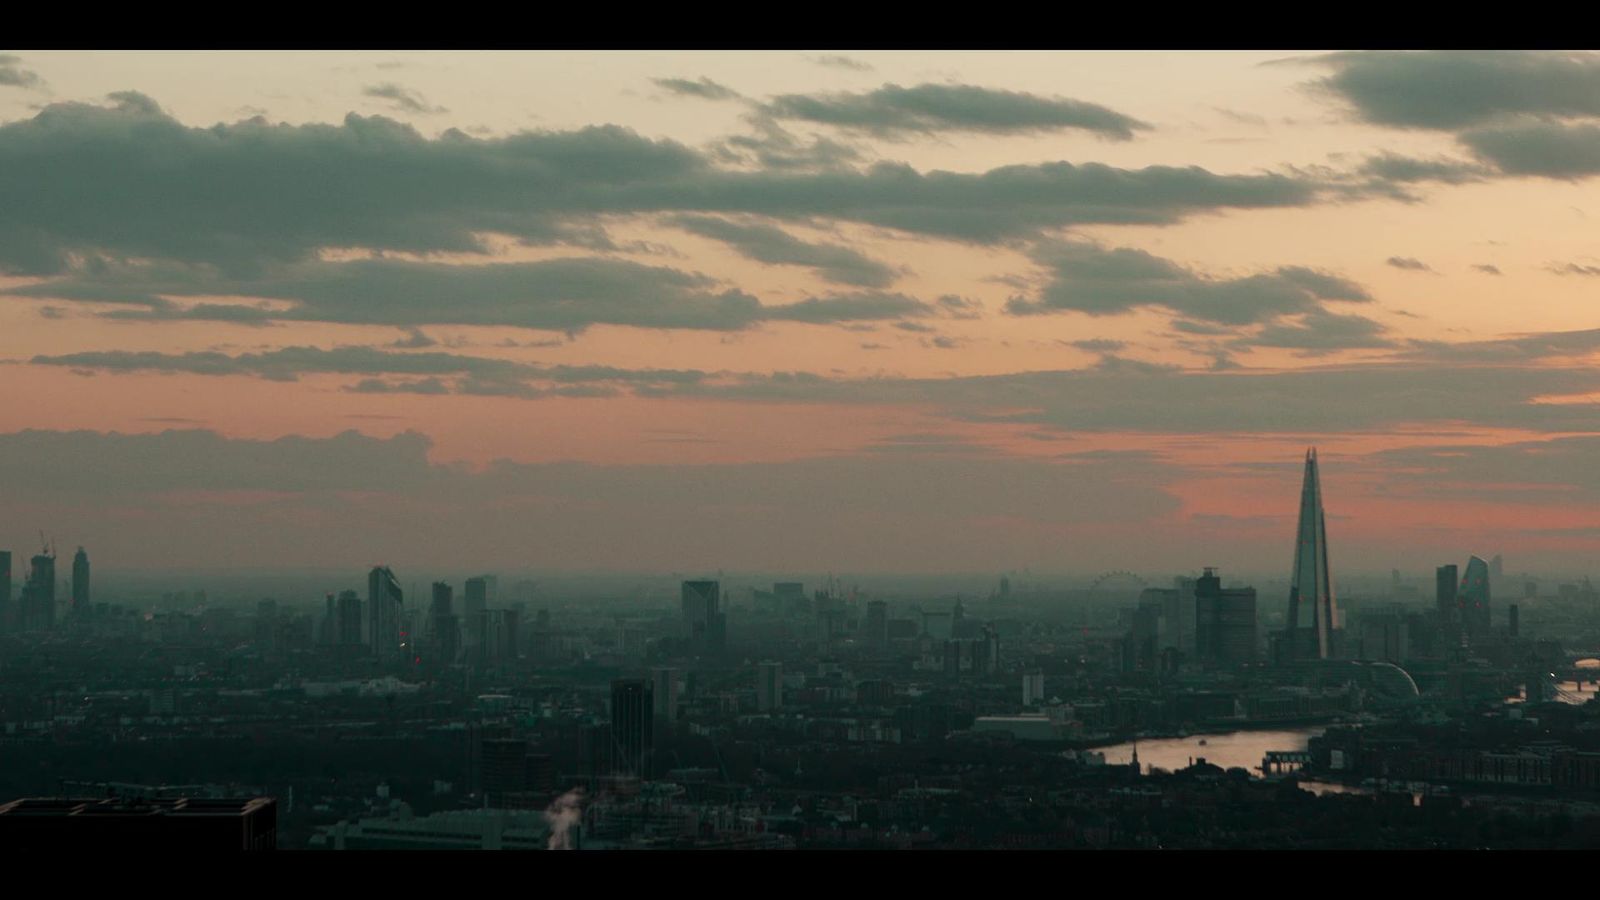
(1485, 385)
(1087, 278)
(774, 246)
(894, 111)
(402, 98)
(1521, 113)
(252, 194)
(568, 294)
(1458, 89)
(12, 74)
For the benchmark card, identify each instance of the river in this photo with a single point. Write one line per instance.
(1241, 749)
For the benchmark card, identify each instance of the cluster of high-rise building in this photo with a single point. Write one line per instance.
(35, 607)
(437, 636)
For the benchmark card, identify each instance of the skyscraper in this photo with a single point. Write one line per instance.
(1313, 611)
(384, 600)
(1446, 581)
(632, 723)
(348, 632)
(769, 686)
(1225, 621)
(80, 582)
(473, 606)
(37, 607)
(703, 621)
(443, 627)
(1473, 599)
(665, 683)
(877, 625)
(6, 612)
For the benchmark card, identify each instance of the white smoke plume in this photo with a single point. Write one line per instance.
(563, 813)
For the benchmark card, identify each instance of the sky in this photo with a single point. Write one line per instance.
(799, 311)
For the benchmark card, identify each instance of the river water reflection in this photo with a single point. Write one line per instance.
(1242, 749)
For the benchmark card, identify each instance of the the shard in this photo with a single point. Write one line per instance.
(1313, 612)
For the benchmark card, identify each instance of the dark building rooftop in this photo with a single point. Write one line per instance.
(185, 824)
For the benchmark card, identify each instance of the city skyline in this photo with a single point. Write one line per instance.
(870, 312)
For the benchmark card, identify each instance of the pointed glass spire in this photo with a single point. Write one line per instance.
(1313, 612)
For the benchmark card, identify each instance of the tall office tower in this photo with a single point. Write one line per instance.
(37, 607)
(1032, 688)
(1511, 619)
(473, 606)
(1005, 588)
(505, 770)
(384, 601)
(1313, 611)
(513, 627)
(769, 686)
(700, 612)
(877, 625)
(443, 628)
(1497, 566)
(1225, 621)
(330, 621)
(6, 612)
(633, 723)
(349, 630)
(1473, 599)
(80, 582)
(1446, 582)
(664, 682)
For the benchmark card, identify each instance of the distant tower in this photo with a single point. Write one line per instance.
(769, 686)
(348, 630)
(384, 600)
(1446, 582)
(5, 591)
(443, 627)
(633, 723)
(1473, 598)
(37, 606)
(1311, 592)
(704, 623)
(476, 605)
(80, 582)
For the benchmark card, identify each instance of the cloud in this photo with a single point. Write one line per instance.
(1574, 269)
(1087, 278)
(1322, 332)
(836, 61)
(1487, 268)
(1522, 348)
(414, 340)
(1408, 263)
(774, 246)
(893, 111)
(1456, 89)
(278, 194)
(402, 98)
(569, 294)
(1544, 149)
(1130, 396)
(704, 88)
(1099, 345)
(1396, 169)
(12, 74)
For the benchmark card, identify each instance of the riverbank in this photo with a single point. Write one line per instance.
(1208, 730)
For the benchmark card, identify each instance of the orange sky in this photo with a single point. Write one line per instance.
(753, 271)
